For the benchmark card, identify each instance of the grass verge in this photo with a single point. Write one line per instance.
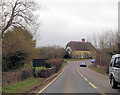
(23, 86)
(97, 69)
(75, 59)
(31, 84)
(64, 63)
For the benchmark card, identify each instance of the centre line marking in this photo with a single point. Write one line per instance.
(82, 75)
(92, 85)
(85, 79)
(102, 93)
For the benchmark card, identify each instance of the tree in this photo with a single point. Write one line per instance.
(50, 52)
(108, 45)
(17, 13)
(95, 40)
(108, 38)
(18, 47)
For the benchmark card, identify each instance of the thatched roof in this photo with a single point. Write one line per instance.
(77, 45)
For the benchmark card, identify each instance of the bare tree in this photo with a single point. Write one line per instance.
(108, 38)
(107, 43)
(17, 13)
(95, 39)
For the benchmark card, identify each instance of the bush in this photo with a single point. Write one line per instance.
(44, 73)
(18, 47)
(54, 63)
(13, 60)
(25, 74)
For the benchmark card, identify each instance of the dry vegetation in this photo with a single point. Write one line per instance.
(107, 44)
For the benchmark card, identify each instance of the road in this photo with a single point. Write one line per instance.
(76, 79)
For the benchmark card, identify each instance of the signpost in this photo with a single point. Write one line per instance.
(38, 63)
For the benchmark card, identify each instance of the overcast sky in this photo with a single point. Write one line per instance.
(71, 20)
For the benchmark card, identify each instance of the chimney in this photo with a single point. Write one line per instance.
(83, 40)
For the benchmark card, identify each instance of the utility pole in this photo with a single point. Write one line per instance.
(119, 46)
(119, 27)
(100, 58)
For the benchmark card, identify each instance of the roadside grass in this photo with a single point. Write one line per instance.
(26, 85)
(39, 68)
(75, 59)
(23, 86)
(64, 63)
(97, 69)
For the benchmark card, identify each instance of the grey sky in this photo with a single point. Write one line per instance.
(72, 20)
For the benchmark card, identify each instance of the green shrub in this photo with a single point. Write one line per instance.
(13, 60)
(18, 47)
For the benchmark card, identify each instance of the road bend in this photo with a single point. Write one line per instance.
(76, 79)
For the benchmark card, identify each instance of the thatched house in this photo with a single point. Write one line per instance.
(81, 49)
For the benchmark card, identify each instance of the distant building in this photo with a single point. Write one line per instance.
(81, 49)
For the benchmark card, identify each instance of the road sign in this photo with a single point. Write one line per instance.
(38, 62)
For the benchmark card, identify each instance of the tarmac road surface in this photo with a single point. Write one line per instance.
(76, 79)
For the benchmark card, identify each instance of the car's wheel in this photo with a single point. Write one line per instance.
(113, 83)
(110, 81)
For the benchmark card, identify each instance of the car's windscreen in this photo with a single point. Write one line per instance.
(117, 61)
